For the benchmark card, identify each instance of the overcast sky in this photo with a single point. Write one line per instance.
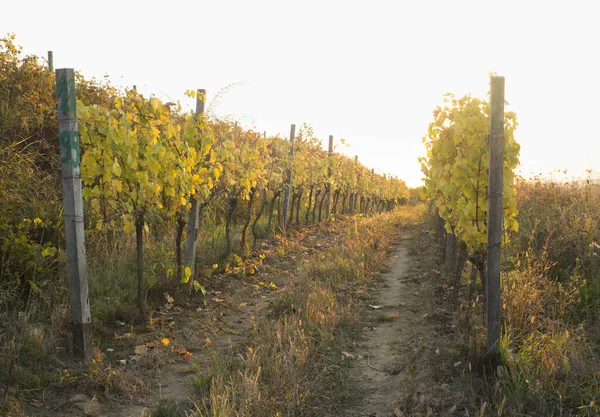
(368, 71)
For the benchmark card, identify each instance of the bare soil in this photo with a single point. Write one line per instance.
(398, 368)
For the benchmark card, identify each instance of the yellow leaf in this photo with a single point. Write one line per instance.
(187, 273)
(128, 226)
(117, 185)
(165, 341)
(198, 287)
(116, 168)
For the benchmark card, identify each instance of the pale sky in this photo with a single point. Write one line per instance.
(367, 71)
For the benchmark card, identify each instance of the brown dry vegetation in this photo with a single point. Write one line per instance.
(291, 364)
(249, 347)
(550, 285)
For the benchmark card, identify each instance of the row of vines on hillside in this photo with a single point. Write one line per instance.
(142, 158)
(144, 161)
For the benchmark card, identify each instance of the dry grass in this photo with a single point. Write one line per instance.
(551, 301)
(291, 364)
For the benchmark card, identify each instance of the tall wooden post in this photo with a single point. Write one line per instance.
(50, 61)
(354, 194)
(70, 158)
(495, 214)
(288, 184)
(330, 154)
(191, 239)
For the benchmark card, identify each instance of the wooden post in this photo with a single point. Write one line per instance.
(70, 158)
(495, 214)
(288, 185)
(328, 206)
(189, 256)
(353, 193)
(50, 61)
(450, 256)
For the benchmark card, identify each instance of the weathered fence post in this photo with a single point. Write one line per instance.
(288, 183)
(450, 255)
(50, 61)
(330, 154)
(495, 214)
(70, 157)
(191, 239)
(353, 193)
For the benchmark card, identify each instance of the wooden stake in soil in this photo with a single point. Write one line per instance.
(50, 61)
(353, 193)
(288, 185)
(328, 203)
(189, 257)
(70, 158)
(495, 214)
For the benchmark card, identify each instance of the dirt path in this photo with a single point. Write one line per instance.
(397, 371)
(396, 365)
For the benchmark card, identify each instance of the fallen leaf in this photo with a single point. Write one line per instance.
(36, 403)
(207, 340)
(218, 300)
(140, 350)
(125, 336)
(346, 355)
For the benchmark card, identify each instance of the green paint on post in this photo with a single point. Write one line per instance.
(73, 213)
(65, 94)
